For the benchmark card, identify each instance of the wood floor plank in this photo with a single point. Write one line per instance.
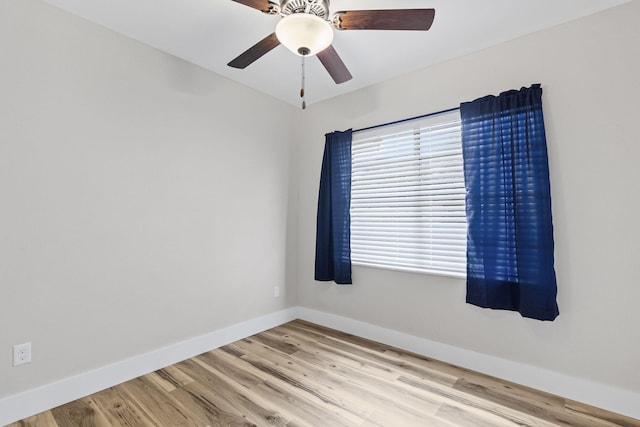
(462, 416)
(544, 406)
(203, 411)
(379, 354)
(161, 382)
(328, 388)
(118, 409)
(277, 341)
(479, 407)
(44, 419)
(169, 378)
(282, 392)
(331, 357)
(591, 416)
(271, 392)
(243, 411)
(385, 417)
(359, 392)
(82, 412)
(323, 331)
(157, 405)
(314, 393)
(228, 397)
(445, 369)
(304, 375)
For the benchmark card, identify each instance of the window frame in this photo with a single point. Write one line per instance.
(425, 143)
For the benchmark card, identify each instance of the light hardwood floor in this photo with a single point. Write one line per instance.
(301, 374)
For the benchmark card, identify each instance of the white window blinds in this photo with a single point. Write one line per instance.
(408, 197)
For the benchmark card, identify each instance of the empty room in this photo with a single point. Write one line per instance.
(319, 213)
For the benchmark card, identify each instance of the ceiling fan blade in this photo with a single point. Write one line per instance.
(392, 19)
(334, 65)
(261, 5)
(255, 52)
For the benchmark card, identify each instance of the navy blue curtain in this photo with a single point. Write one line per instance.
(508, 202)
(333, 231)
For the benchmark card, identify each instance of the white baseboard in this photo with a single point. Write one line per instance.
(603, 396)
(22, 405)
(31, 402)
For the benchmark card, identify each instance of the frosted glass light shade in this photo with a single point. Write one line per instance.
(302, 30)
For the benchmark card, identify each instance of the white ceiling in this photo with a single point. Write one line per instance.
(210, 33)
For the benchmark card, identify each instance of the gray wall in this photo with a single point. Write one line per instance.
(138, 205)
(589, 71)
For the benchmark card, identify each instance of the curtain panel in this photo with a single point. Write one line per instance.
(510, 260)
(333, 230)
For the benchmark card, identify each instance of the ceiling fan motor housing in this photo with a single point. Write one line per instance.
(319, 8)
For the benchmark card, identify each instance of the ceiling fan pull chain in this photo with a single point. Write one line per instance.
(304, 104)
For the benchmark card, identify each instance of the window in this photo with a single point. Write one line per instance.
(408, 197)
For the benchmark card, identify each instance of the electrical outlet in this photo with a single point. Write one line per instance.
(276, 291)
(21, 354)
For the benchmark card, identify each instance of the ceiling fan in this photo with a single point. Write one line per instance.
(306, 29)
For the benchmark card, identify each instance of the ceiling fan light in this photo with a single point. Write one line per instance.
(301, 31)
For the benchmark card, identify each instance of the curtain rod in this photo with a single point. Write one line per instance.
(406, 120)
